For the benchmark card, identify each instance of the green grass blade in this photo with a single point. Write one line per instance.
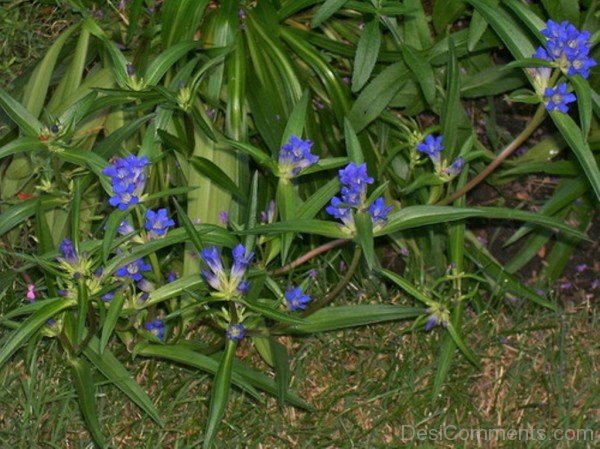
(218, 176)
(364, 236)
(461, 345)
(163, 62)
(282, 369)
(407, 286)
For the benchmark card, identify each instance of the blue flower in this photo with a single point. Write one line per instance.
(295, 156)
(379, 212)
(355, 179)
(567, 47)
(431, 323)
(455, 167)
(296, 299)
(125, 228)
(227, 284)
(432, 146)
(236, 332)
(107, 297)
(69, 254)
(128, 179)
(158, 222)
(156, 327)
(268, 216)
(557, 98)
(240, 262)
(171, 276)
(133, 270)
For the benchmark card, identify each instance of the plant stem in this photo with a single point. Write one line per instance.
(309, 255)
(516, 143)
(339, 288)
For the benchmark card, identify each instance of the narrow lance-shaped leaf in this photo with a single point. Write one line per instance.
(367, 51)
(219, 394)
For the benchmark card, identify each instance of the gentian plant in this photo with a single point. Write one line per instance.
(134, 229)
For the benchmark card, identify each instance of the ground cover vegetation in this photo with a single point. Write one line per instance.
(296, 223)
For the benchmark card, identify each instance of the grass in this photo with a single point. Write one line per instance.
(539, 372)
(539, 368)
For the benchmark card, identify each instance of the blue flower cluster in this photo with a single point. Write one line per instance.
(558, 98)
(568, 47)
(355, 179)
(296, 299)
(235, 332)
(433, 146)
(69, 254)
(232, 284)
(134, 270)
(295, 156)
(128, 179)
(156, 327)
(158, 222)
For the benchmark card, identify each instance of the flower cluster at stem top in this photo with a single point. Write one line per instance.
(433, 147)
(568, 48)
(295, 156)
(232, 284)
(355, 179)
(128, 179)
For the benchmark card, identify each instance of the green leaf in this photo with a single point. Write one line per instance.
(20, 115)
(295, 123)
(446, 12)
(115, 219)
(367, 52)
(172, 290)
(318, 227)
(219, 394)
(318, 200)
(20, 145)
(282, 368)
(258, 155)
(506, 27)
(86, 390)
(355, 153)
(477, 27)
(407, 287)
(415, 216)
(326, 10)
(18, 213)
(189, 227)
(364, 236)
(377, 95)
(36, 89)
(28, 327)
(163, 62)
(181, 353)
(584, 103)
(501, 279)
(461, 345)
(422, 70)
(115, 372)
(452, 109)
(342, 317)
(270, 312)
(572, 134)
(218, 176)
(112, 317)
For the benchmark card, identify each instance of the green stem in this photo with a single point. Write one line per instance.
(516, 143)
(339, 288)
